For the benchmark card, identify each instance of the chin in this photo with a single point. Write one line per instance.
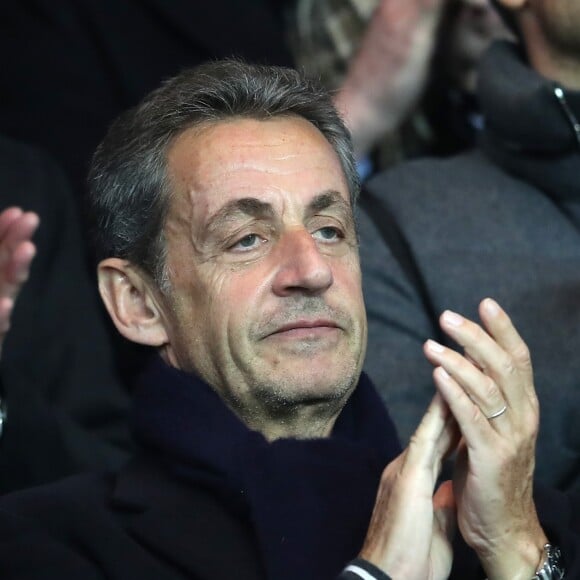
(309, 388)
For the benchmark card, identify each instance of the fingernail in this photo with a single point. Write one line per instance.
(491, 306)
(444, 374)
(452, 318)
(434, 346)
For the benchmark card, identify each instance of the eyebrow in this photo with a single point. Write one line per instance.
(327, 199)
(246, 206)
(252, 207)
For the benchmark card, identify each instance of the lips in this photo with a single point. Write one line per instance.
(304, 328)
(307, 324)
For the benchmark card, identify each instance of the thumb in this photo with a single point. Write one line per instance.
(434, 437)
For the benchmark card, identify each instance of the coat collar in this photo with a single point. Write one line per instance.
(527, 130)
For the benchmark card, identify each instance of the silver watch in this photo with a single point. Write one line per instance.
(552, 567)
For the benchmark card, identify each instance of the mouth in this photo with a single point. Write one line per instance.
(305, 329)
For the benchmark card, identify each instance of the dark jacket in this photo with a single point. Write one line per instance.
(66, 407)
(502, 221)
(141, 524)
(206, 497)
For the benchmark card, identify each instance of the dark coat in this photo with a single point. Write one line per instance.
(502, 221)
(65, 403)
(144, 524)
(141, 524)
(206, 497)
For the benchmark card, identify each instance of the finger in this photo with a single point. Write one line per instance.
(19, 229)
(20, 264)
(481, 388)
(15, 269)
(478, 345)
(16, 249)
(514, 382)
(501, 328)
(471, 420)
(6, 306)
(433, 439)
(7, 217)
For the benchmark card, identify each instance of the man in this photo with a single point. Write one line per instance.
(224, 217)
(501, 221)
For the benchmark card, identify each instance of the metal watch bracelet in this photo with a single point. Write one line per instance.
(552, 567)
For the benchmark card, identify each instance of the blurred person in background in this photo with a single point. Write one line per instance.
(502, 220)
(403, 71)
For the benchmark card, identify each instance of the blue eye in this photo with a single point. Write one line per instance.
(248, 242)
(328, 234)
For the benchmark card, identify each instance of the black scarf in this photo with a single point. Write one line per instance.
(309, 501)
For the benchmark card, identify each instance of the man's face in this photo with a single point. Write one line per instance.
(265, 301)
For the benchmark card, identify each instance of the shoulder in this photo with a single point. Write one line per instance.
(453, 169)
(465, 195)
(468, 176)
(62, 498)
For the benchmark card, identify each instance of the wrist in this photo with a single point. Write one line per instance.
(518, 560)
(361, 569)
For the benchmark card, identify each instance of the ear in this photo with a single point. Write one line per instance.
(130, 299)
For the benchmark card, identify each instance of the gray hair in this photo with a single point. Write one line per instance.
(129, 189)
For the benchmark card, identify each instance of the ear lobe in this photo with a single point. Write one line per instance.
(130, 301)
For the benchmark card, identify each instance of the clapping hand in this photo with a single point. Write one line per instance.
(16, 254)
(411, 528)
(490, 392)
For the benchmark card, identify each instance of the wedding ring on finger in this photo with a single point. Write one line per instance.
(497, 413)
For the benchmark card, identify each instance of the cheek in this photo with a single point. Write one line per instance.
(192, 309)
(353, 284)
(348, 273)
(234, 298)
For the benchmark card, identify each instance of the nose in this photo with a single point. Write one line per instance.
(302, 268)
